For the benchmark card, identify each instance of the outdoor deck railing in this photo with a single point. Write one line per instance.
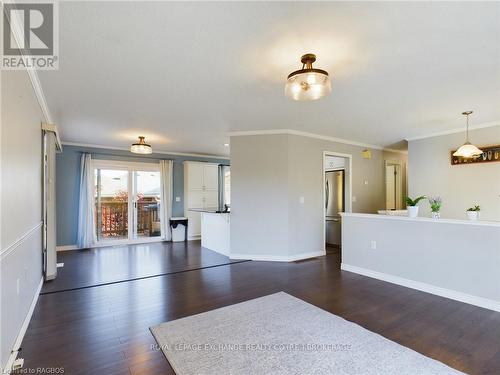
(114, 219)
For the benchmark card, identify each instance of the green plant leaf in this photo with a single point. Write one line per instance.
(414, 202)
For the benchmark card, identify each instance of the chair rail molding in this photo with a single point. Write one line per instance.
(12, 247)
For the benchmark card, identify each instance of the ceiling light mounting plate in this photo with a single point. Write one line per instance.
(307, 60)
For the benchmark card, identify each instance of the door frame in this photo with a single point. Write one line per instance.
(348, 191)
(130, 167)
(402, 188)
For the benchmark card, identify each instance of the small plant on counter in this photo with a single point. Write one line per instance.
(473, 213)
(413, 202)
(435, 203)
(411, 205)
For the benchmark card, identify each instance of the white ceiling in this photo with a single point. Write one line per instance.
(184, 74)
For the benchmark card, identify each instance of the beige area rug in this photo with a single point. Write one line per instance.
(281, 334)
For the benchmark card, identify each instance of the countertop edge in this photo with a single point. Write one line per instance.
(422, 219)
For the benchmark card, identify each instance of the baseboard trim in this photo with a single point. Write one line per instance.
(17, 344)
(67, 247)
(277, 258)
(424, 287)
(99, 245)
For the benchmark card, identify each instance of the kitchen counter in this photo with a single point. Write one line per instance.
(422, 219)
(457, 259)
(215, 227)
(211, 210)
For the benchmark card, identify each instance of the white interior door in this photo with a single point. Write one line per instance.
(393, 187)
(49, 206)
(390, 185)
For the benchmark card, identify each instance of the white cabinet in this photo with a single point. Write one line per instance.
(195, 174)
(201, 191)
(211, 199)
(211, 177)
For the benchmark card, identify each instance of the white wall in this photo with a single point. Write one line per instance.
(461, 186)
(259, 195)
(21, 200)
(455, 259)
(269, 175)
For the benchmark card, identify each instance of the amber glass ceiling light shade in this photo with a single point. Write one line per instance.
(308, 83)
(467, 150)
(141, 147)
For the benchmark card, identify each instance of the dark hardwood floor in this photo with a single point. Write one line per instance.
(83, 268)
(105, 329)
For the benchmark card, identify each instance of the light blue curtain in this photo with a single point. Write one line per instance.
(166, 196)
(86, 236)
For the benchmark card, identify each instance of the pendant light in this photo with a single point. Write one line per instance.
(467, 150)
(308, 83)
(141, 147)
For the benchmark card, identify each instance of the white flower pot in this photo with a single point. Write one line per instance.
(412, 211)
(473, 215)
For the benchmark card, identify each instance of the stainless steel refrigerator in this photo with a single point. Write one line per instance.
(334, 204)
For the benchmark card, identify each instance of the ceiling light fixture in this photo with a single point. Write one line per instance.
(308, 83)
(226, 144)
(467, 150)
(141, 147)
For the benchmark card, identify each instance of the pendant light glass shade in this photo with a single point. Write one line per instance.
(467, 150)
(141, 147)
(308, 83)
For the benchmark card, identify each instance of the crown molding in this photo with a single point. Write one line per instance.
(312, 135)
(454, 131)
(211, 156)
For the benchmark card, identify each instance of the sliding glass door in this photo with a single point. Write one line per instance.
(146, 204)
(127, 201)
(112, 204)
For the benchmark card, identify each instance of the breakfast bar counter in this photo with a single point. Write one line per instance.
(215, 231)
(439, 256)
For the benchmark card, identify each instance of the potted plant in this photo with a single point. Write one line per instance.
(435, 203)
(411, 205)
(473, 213)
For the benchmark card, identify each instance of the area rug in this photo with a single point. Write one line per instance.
(281, 334)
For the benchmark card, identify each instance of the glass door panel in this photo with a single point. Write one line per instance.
(146, 204)
(111, 204)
